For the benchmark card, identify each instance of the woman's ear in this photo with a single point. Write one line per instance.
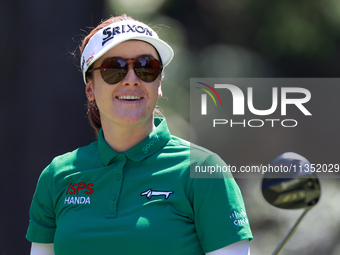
(160, 93)
(89, 89)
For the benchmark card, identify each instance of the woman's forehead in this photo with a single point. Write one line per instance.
(131, 49)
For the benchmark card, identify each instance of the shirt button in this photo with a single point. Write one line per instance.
(118, 176)
(122, 158)
(114, 197)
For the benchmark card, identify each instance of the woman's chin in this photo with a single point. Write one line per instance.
(133, 119)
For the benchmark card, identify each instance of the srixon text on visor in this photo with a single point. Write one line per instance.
(110, 32)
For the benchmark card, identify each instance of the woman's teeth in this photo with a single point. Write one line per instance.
(129, 97)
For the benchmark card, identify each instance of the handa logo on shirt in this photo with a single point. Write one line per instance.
(146, 148)
(75, 189)
(110, 32)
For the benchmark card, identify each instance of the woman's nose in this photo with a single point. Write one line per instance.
(131, 78)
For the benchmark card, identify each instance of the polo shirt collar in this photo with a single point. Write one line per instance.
(152, 143)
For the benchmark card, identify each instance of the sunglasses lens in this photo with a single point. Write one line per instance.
(147, 69)
(114, 71)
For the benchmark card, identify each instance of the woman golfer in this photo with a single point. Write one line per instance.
(131, 192)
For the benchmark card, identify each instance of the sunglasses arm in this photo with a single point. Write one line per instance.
(94, 69)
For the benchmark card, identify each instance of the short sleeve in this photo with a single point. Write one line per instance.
(42, 224)
(219, 211)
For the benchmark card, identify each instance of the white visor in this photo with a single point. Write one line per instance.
(115, 33)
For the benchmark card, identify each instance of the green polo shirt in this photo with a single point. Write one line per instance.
(141, 201)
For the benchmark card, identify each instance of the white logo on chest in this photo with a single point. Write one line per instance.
(149, 193)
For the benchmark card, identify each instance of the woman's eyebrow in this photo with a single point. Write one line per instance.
(146, 55)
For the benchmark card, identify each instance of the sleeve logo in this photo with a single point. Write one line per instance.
(240, 217)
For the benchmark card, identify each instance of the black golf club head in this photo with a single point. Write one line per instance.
(296, 188)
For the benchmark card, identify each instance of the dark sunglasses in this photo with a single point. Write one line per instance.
(114, 69)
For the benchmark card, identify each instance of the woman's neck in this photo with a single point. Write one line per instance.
(122, 137)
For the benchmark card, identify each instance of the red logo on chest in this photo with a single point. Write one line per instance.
(76, 187)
